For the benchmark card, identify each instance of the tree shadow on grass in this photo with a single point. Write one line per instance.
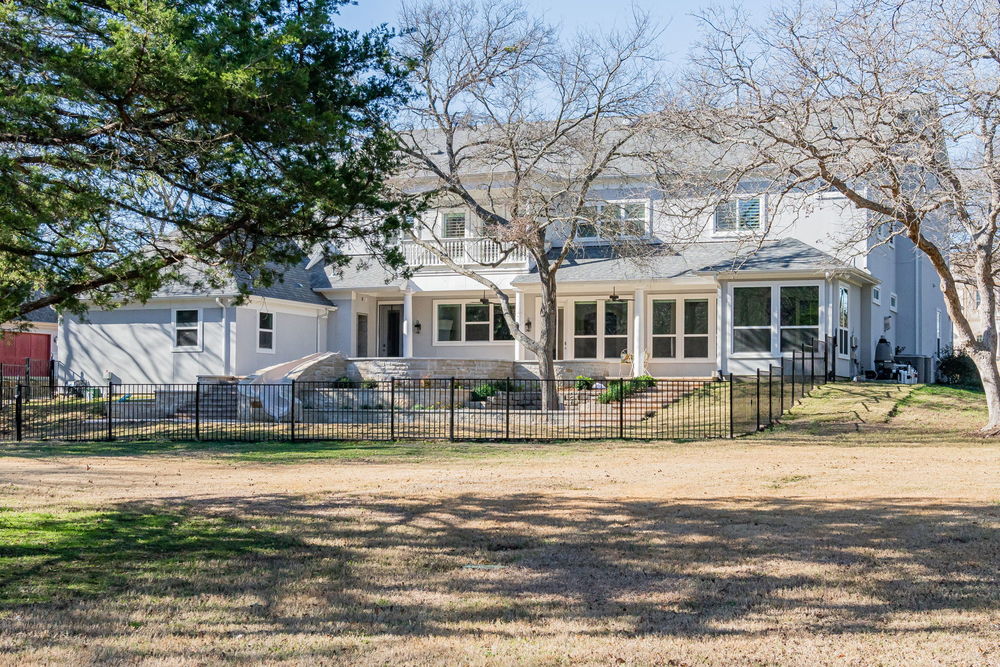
(288, 566)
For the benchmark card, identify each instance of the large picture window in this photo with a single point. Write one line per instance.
(695, 328)
(664, 329)
(187, 329)
(799, 317)
(600, 329)
(751, 319)
(470, 323)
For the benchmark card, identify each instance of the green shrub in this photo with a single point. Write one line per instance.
(958, 368)
(483, 391)
(369, 384)
(584, 383)
(644, 382)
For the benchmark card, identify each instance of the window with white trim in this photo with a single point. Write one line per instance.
(695, 328)
(843, 322)
(876, 296)
(585, 330)
(738, 215)
(752, 319)
(664, 328)
(613, 219)
(187, 329)
(471, 322)
(453, 225)
(893, 302)
(615, 329)
(799, 318)
(265, 332)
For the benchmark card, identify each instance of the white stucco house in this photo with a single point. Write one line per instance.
(721, 302)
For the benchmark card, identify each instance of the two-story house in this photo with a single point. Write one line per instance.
(764, 277)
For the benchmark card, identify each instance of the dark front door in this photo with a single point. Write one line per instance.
(390, 330)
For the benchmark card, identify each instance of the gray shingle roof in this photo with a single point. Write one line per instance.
(295, 283)
(363, 272)
(597, 263)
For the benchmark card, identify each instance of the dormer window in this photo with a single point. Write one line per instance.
(738, 215)
(453, 225)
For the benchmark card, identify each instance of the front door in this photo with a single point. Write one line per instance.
(390, 330)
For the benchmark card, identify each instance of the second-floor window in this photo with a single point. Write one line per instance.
(613, 219)
(453, 225)
(738, 215)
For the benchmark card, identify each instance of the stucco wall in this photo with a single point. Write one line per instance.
(295, 336)
(135, 343)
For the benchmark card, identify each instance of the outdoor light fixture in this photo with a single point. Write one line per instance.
(484, 300)
(527, 325)
(416, 327)
(613, 296)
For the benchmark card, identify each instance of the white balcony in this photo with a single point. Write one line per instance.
(465, 251)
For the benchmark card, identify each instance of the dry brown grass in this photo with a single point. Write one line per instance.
(864, 531)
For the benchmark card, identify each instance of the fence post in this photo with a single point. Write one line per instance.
(781, 388)
(197, 411)
(732, 402)
(18, 412)
(392, 408)
(770, 393)
(52, 377)
(451, 409)
(758, 398)
(621, 409)
(506, 426)
(812, 365)
(793, 379)
(826, 366)
(111, 433)
(291, 411)
(27, 376)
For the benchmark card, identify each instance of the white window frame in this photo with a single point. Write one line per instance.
(761, 217)
(877, 296)
(893, 302)
(601, 205)
(819, 316)
(569, 333)
(274, 340)
(462, 303)
(442, 227)
(200, 327)
(680, 337)
(843, 332)
(775, 351)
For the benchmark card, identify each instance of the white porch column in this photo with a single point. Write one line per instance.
(408, 323)
(519, 317)
(639, 332)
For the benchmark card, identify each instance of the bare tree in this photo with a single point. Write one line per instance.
(522, 128)
(894, 104)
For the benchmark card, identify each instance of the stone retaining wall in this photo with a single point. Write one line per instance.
(567, 370)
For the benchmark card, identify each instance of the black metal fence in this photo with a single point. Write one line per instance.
(418, 409)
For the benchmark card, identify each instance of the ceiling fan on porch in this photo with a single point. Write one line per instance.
(484, 300)
(614, 296)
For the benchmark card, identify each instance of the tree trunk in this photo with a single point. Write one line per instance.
(548, 337)
(986, 363)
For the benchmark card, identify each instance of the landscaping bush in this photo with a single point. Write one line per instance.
(483, 391)
(644, 382)
(584, 383)
(369, 384)
(958, 368)
(622, 389)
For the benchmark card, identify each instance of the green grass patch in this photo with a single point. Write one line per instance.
(52, 557)
(293, 452)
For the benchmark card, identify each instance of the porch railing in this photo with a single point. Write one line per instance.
(465, 251)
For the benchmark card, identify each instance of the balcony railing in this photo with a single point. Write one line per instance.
(464, 251)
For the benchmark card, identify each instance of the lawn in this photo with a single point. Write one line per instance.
(863, 530)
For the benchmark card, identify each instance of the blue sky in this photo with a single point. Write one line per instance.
(680, 28)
